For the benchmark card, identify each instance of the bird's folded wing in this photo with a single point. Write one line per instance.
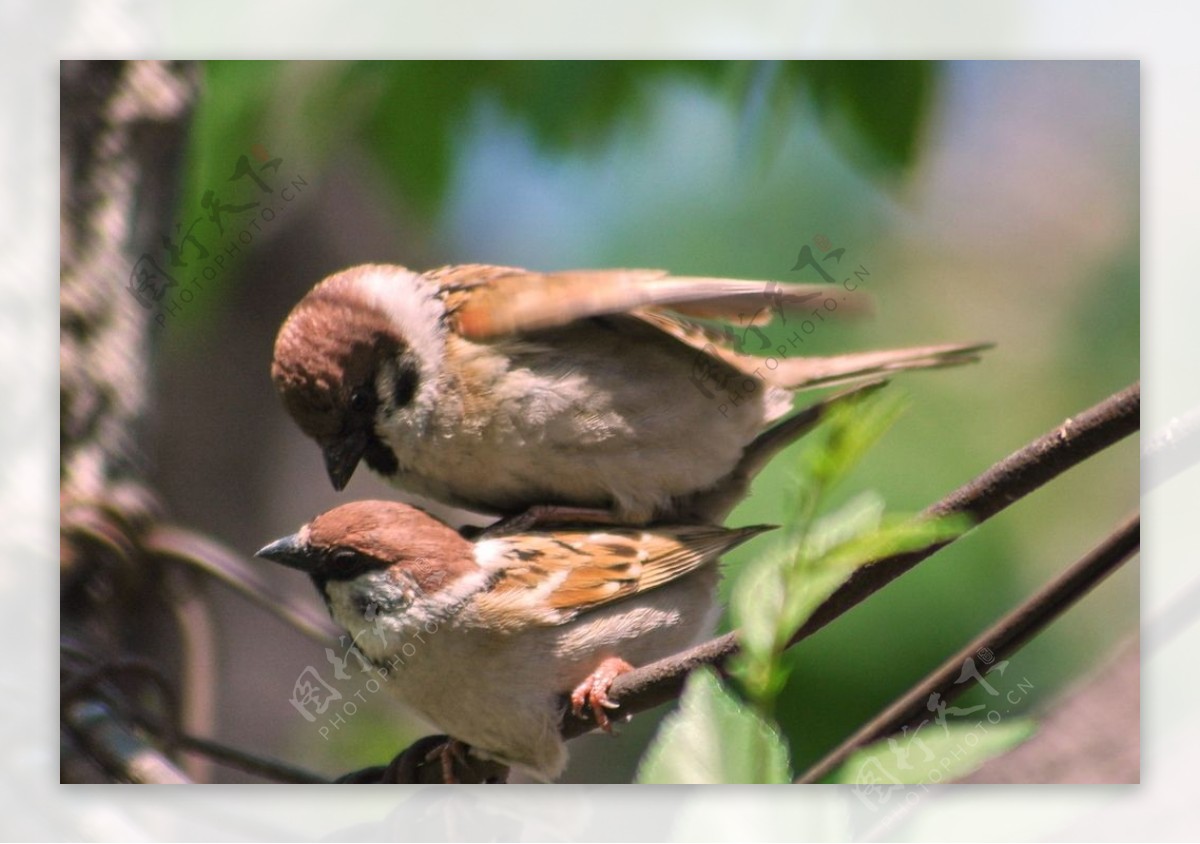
(486, 302)
(558, 576)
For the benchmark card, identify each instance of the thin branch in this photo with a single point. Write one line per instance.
(1008, 481)
(214, 559)
(86, 680)
(270, 769)
(198, 653)
(91, 695)
(1003, 639)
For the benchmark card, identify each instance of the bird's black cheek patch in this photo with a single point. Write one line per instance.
(370, 607)
(380, 457)
(404, 385)
(375, 606)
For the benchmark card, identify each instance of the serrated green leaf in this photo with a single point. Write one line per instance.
(757, 603)
(860, 515)
(895, 536)
(759, 607)
(815, 585)
(933, 754)
(714, 738)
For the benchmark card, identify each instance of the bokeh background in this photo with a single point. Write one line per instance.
(985, 200)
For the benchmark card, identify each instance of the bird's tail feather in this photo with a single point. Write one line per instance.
(812, 372)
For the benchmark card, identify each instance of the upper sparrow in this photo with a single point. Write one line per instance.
(483, 638)
(497, 389)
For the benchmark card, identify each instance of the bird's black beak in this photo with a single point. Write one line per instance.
(292, 552)
(342, 458)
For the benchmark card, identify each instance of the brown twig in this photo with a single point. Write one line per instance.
(198, 658)
(205, 554)
(1090, 736)
(1008, 481)
(1003, 639)
(269, 769)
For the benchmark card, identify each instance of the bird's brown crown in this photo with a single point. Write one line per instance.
(392, 534)
(327, 346)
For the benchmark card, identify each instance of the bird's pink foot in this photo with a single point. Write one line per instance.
(593, 691)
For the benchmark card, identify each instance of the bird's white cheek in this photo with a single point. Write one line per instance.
(376, 610)
(387, 615)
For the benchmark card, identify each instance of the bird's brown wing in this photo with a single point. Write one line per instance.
(486, 302)
(548, 579)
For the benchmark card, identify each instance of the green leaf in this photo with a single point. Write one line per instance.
(873, 110)
(897, 535)
(759, 609)
(757, 602)
(773, 613)
(933, 754)
(421, 113)
(860, 515)
(850, 430)
(714, 738)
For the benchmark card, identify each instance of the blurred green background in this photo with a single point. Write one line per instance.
(980, 201)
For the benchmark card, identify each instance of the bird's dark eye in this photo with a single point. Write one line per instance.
(347, 564)
(360, 400)
(405, 386)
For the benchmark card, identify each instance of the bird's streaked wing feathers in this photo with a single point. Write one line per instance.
(546, 579)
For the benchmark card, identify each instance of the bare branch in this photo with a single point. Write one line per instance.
(270, 769)
(206, 555)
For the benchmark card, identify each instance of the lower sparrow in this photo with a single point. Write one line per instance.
(484, 638)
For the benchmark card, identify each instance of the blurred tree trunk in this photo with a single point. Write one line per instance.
(123, 132)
